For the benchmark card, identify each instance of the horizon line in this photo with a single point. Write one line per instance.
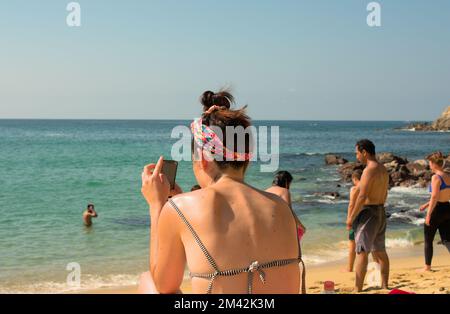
(179, 119)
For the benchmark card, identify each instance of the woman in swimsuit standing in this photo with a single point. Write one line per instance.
(438, 214)
(233, 237)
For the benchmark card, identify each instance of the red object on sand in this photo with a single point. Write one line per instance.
(328, 286)
(398, 291)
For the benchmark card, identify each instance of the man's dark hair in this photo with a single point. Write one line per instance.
(282, 179)
(366, 145)
(90, 206)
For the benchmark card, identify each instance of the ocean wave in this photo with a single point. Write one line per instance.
(323, 257)
(330, 201)
(408, 191)
(412, 217)
(399, 243)
(313, 154)
(329, 179)
(88, 282)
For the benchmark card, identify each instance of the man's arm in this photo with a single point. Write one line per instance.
(366, 178)
(351, 205)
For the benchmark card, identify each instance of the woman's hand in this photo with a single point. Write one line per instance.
(423, 207)
(155, 185)
(427, 220)
(176, 190)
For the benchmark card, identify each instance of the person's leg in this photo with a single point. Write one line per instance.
(379, 248)
(429, 234)
(444, 232)
(375, 258)
(351, 255)
(383, 259)
(364, 237)
(360, 269)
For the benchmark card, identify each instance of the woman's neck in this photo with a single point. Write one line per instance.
(231, 175)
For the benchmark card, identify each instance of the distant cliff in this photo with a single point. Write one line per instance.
(441, 124)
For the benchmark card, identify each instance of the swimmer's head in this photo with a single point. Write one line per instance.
(90, 206)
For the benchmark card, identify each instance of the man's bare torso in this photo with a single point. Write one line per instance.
(378, 185)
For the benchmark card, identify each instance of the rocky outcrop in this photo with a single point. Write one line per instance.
(401, 172)
(441, 124)
(332, 159)
(347, 170)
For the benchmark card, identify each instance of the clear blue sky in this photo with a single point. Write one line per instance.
(300, 60)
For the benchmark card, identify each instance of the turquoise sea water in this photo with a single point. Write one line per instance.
(50, 170)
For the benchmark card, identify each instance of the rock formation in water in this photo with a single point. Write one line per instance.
(441, 124)
(401, 171)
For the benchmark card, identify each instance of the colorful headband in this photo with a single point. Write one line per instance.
(206, 138)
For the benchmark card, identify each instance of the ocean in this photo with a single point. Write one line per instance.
(51, 169)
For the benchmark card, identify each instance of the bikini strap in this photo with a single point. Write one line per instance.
(208, 256)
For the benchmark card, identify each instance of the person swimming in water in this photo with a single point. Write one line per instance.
(88, 214)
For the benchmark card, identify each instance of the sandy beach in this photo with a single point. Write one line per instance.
(405, 264)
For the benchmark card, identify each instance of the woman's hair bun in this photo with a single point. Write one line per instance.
(222, 99)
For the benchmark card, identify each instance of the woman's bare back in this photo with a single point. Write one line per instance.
(239, 225)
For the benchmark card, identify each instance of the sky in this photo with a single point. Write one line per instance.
(294, 60)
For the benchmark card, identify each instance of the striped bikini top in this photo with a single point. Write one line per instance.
(250, 270)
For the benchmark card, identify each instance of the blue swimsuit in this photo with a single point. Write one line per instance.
(443, 184)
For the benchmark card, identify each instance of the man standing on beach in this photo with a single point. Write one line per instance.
(88, 214)
(368, 218)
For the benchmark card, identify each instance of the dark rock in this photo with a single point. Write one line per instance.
(417, 168)
(332, 159)
(447, 164)
(427, 175)
(401, 172)
(385, 158)
(347, 170)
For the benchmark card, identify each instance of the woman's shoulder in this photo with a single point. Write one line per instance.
(277, 190)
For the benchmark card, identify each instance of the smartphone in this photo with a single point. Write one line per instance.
(169, 169)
